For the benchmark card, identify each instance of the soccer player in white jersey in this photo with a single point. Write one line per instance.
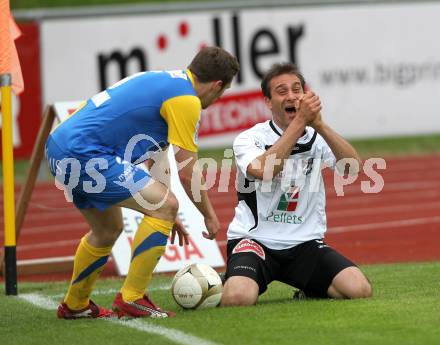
(280, 221)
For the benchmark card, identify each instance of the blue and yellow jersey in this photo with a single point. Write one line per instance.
(139, 113)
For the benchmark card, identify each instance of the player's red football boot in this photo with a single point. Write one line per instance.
(142, 307)
(91, 311)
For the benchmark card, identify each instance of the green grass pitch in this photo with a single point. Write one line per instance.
(404, 310)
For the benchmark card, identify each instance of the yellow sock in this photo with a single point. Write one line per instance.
(88, 264)
(146, 250)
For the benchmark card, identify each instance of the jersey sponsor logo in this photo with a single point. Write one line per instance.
(286, 205)
(289, 200)
(284, 217)
(249, 246)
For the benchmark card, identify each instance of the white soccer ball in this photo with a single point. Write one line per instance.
(197, 286)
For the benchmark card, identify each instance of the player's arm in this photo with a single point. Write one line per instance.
(159, 168)
(340, 147)
(270, 163)
(191, 177)
(182, 115)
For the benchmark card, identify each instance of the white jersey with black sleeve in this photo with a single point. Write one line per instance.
(290, 209)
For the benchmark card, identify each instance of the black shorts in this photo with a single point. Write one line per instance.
(310, 266)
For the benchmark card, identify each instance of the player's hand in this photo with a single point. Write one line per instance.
(213, 226)
(309, 107)
(181, 233)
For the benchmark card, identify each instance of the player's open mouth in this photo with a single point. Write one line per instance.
(290, 110)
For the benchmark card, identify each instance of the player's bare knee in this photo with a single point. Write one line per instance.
(114, 233)
(104, 237)
(366, 290)
(113, 230)
(350, 283)
(360, 289)
(236, 298)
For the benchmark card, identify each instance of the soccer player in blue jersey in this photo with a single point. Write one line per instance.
(94, 153)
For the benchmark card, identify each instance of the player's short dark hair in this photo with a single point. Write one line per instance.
(214, 63)
(279, 69)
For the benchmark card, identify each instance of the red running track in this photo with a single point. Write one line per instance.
(399, 224)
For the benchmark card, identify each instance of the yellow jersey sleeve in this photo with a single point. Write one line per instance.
(182, 114)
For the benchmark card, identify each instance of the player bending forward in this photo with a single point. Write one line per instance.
(94, 154)
(280, 221)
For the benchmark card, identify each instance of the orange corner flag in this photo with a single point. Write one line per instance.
(9, 62)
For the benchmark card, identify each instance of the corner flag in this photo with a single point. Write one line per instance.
(9, 62)
(10, 77)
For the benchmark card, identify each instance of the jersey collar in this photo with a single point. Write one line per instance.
(280, 132)
(188, 72)
(275, 128)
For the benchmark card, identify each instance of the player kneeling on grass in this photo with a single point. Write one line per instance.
(94, 152)
(279, 225)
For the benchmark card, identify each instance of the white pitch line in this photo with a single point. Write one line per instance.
(114, 291)
(174, 335)
(39, 301)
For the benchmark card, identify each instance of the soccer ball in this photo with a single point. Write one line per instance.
(197, 286)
